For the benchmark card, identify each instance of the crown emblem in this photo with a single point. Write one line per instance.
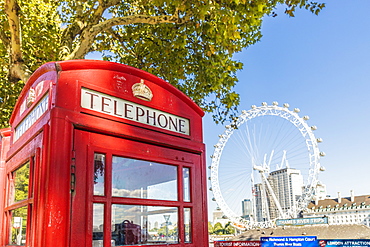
(31, 97)
(142, 91)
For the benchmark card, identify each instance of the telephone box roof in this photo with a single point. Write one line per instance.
(86, 64)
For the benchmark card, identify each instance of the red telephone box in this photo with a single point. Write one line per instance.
(102, 154)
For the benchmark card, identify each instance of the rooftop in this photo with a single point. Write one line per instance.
(342, 202)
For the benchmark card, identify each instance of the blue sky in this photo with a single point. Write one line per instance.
(320, 64)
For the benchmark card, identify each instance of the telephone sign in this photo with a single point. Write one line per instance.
(117, 107)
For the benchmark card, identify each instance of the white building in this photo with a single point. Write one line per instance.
(219, 216)
(260, 203)
(320, 191)
(342, 210)
(247, 209)
(287, 185)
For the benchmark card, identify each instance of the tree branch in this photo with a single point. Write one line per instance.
(117, 37)
(110, 3)
(88, 35)
(17, 67)
(135, 19)
(98, 13)
(4, 38)
(68, 35)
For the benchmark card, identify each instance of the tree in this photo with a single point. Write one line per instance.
(210, 228)
(218, 229)
(189, 43)
(229, 229)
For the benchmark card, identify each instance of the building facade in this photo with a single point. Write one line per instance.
(287, 185)
(342, 210)
(247, 209)
(219, 217)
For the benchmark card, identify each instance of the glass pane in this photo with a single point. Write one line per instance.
(98, 223)
(143, 179)
(144, 225)
(20, 183)
(187, 224)
(18, 227)
(99, 168)
(186, 179)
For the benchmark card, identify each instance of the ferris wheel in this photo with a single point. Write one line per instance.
(265, 166)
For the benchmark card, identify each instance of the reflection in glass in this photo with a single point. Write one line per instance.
(21, 178)
(187, 225)
(144, 225)
(99, 168)
(143, 179)
(186, 179)
(98, 223)
(18, 226)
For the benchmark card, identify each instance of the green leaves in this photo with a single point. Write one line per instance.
(218, 229)
(40, 38)
(188, 43)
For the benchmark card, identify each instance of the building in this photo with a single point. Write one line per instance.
(247, 209)
(320, 191)
(219, 216)
(287, 185)
(342, 210)
(260, 203)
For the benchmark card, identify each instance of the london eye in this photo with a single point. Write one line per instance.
(265, 166)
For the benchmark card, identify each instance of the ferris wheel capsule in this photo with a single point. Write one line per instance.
(319, 140)
(306, 117)
(275, 103)
(264, 103)
(313, 127)
(322, 154)
(286, 105)
(297, 110)
(253, 106)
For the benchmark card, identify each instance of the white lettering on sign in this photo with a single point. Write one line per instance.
(117, 107)
(32, 117)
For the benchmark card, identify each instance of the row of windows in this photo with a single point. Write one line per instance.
(157, 181)
(367, 212)
(139, 224)
(348, 215)
(131, 224)
(19, 204)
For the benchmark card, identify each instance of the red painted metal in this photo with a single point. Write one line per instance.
(4, 147)
(58, 135)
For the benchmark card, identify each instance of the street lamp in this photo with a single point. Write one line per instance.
(167, 218)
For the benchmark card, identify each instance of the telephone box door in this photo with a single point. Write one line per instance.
(127, 192)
